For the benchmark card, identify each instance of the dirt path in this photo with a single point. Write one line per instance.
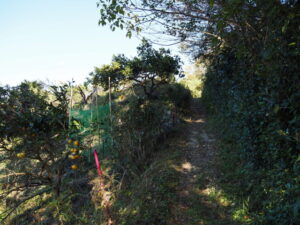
(199, 200)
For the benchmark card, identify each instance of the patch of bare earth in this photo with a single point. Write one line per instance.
(198, 201)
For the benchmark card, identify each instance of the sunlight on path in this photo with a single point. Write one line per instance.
(199, 200)
(187, 166)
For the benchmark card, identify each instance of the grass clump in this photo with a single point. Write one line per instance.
(149, 198)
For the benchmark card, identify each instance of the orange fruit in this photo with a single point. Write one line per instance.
(21, 155)
(74, 167)
(74, 156)
(73, 150)
(76, 143)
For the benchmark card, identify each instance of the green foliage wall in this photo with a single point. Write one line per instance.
(140, 124)
(254, 92)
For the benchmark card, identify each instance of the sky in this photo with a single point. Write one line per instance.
(55, 40)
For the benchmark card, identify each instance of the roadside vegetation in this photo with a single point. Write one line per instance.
(250, 89)
(47, 175)
(218, 146)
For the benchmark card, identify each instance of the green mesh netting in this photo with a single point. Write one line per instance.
(93, 127)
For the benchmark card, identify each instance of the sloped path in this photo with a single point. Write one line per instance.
(199, 200)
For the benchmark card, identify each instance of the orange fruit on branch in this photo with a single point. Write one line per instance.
(73, 150)
(21, 155)
(74, 167)
(76, 143)
(74, 157)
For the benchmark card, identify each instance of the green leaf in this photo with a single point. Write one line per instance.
(284, 27)
(276, 108)
(129, 34)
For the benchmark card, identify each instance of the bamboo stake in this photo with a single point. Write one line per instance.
(109, 99)
(71, 103)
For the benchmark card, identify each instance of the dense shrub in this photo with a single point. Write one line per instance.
(255, 94)
(178, 95)
(33, 134)
(140, 124)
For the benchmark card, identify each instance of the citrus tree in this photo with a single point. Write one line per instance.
(33, 138)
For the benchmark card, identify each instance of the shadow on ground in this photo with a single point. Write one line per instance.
(199, 200)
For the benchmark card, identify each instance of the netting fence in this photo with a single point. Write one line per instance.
(93, 127)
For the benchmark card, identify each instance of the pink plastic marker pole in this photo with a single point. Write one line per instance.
(97, 163)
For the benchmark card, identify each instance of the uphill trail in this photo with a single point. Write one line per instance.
(199, 200)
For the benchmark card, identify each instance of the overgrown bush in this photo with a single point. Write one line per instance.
(34, 128)
(255, 96)
(141, 124)
(178, 95)
(138, 126)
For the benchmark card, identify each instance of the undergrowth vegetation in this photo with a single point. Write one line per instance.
(149, 198)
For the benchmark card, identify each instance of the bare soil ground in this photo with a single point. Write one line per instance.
(199, 199)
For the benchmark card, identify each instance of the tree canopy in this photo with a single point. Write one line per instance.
(149, 69)
(201, 25)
